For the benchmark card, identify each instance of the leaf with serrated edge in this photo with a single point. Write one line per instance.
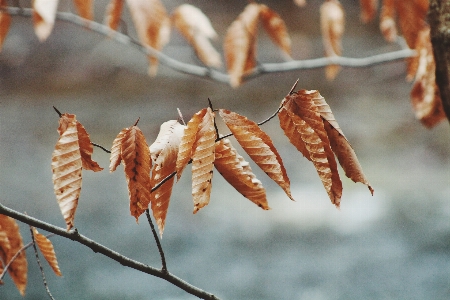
(301, 104)
(240, 44)
(152, 25)
(86, 150)
(276, 29)
(258, 146)
(203, 161)
(46, 247)
(137, 165)
(164, 155)
(84, 8)
(5, 22)
(332, 23)
(195, 26)
(116, 151)
(5, 247)
(238, 173)
(44, 14)
(66, 167)
(18, 268)
(113, 13)
(187, 141)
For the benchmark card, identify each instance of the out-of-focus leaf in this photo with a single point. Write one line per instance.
(18, 268)
(238, 173)
(195, 26)
(66, 167)
(332, 21)
(44, 13)
(46, 247)
(368, 10)
(258, 146)
(152, 25)
(276, 29)
(84, 8)
(113, 13)
(300, 3)
(5, 22)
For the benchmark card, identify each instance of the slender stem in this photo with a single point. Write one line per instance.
(158, 243)
(98, 248)
(40, 265)
(101, 147)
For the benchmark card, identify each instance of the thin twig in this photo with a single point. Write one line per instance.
(215, 125)
(101, 147)
(57, 111)
(158, 243)
(40, 265)
(96, 247)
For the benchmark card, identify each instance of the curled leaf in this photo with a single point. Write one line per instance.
(44, 14)
(86, 149)
(238, 173)
(258, 146)
(46, 247)
(9, 246)
(276, 28)
(197, 29)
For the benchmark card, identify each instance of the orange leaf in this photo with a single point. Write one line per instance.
(238, 173)
(44, 13)
(368, 10)
(388, 25)
(137, 165)
(113, 13)
(84, 8)
(47, 250)
(197, 30)
(66, 167)
(18, 268)
(152, 25)
(258, 146)
(187, 141)
(5, 22)
(276, 28)
(412, 18)
(332, 21)
(202, 161)
(240, 44)
(86, 150)
(164, 155)
(425, 96)
(116, 154)
(302, 105)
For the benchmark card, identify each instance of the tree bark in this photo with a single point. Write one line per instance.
(439, 20)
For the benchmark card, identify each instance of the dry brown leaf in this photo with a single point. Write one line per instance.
(5, 22)
(5, 247)
(388, 25)
(188, 140)
(195, 26)
(86, 150)
(44, 14)
(276, 29)
(66, 167)
(332, 24)
(137, 165)
(203, 161)
(368, 10)
(46, 247)
(302, 105)
(84, 8)
(240, 44)
(18, 268)
(113, 13)
(425, 96)
(164, 155)
(258, 146)
(116, 151)
(239, 174)
(300, 3)
(412, 18)
(152, 25)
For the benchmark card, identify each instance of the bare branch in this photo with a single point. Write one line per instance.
(158, 243)
(96, 247)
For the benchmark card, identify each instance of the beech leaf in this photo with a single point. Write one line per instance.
(113, 13)
(9, 247)
(86, 150)
(66, 167)
(116, 151)
(84, 8)
(44, 14)
(368, 10)
(258, 146)
(197, 29)
(137, 164)
(164, 155)
(152, 25)
(238, 173)
(46, 247)
(332, 24)
(276, 29)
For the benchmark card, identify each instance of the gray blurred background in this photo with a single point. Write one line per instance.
(394, 245)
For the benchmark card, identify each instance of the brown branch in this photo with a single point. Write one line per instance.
(158, 243)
